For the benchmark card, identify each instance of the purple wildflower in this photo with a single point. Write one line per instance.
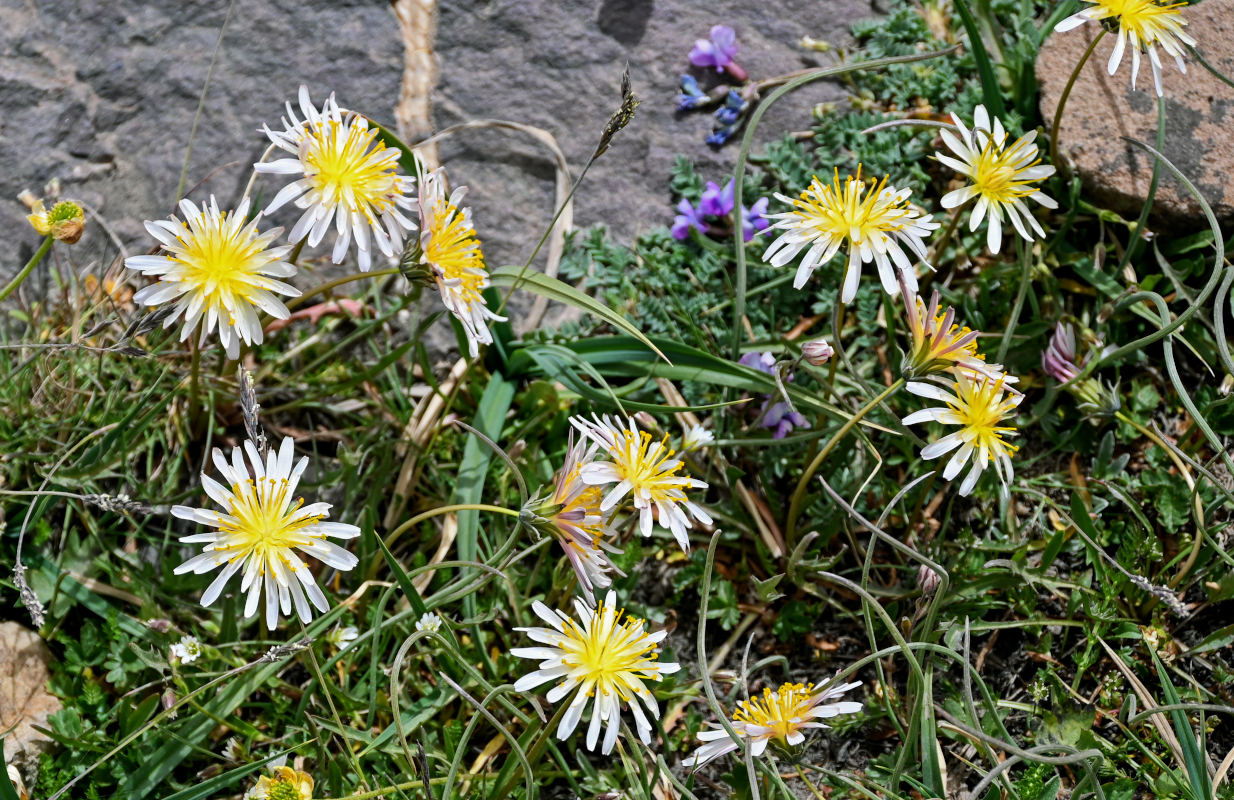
(717, 202)
(763, 362)
(752, 219)
(1059, 358)
(780, 417)
(691, 96)
(687, 218)
(718, 51)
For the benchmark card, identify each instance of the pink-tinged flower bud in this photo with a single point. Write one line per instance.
(817, 352)
(1058, 359)
(927, 580)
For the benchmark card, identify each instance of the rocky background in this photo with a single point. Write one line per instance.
(104, 99)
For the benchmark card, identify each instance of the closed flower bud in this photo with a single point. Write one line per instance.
(927, 581)
(817, 352)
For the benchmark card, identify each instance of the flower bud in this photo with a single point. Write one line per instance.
(927, 581)
(817, 352)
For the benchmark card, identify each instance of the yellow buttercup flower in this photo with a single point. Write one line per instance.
(284, 784)
(876, 220)
(1144, 25)
(607, 656)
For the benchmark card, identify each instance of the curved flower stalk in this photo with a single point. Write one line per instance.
(571, 514)
(607, 656)
(343, 175)
(262, 531)
(450, 251)
(1143, 24)
(981, 406)
(781, 718)
(216, 271)
(644, 469)
(1001, 177)
(876, 221)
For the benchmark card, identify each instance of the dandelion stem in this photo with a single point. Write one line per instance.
(434, 512)
(26, 270)
(809, 783)
(329, 285)
(1026, 265)
(1062, 102)
(194, 382)
(794, 506)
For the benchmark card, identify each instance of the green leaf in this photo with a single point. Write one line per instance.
(1194, 758)
(469, 486)
(542, 284)
(404, 580)
(7, 790)
(990, 91)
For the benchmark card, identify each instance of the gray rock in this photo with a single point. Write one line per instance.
(558, 66)
(1102, 108)
(103, 95)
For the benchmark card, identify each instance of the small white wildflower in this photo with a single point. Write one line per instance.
(429, 621)
(186, 650)
(342, 638)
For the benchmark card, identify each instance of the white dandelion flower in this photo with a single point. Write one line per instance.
(450, 249)
(646, 470)
(605, 661)
(1143, 24)
(1002, 176)
(217, 272)
(782, 717)
(981, 406)
(345, 176)
(259, 531)
(875, 220)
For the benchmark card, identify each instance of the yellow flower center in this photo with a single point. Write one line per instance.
(981, 408)
(220, 259)
(1144, 18)
(612, 654)
(635, 463)
(452, 247)
(782, 710)
(996, 179)
(265, 522)
(854, 210)
(342, 168)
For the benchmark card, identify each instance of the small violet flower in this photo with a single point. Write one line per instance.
(691, 96)
(779, 415)
(688, 217)
(718, 51)
(717, 202)
(752, 219)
